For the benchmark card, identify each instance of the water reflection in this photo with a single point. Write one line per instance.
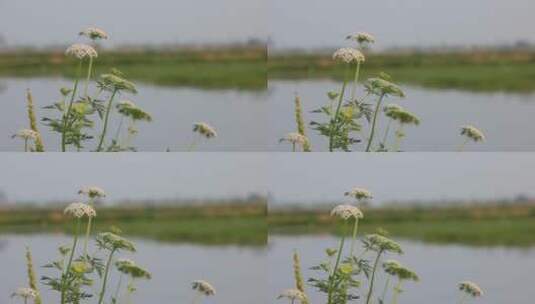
(238, 273)
(239, 116)
(501, 116)
(502, 272)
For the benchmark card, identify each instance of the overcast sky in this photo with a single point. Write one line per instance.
(50, 176)
(320, 23)
(34, 22)
(313, 177)
(306, 178)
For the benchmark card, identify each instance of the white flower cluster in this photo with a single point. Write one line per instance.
(346, 212)
(81, 51)
(348, 55)
(79, 210)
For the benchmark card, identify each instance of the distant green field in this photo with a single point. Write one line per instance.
(484, 71)
(238, 68)
(475, 225)
(226, 224)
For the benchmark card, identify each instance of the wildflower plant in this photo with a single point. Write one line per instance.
(204, 130)
(202, 288)
(341, 276)
(79, 272)
(470, 133)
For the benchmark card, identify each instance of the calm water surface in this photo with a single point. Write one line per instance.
(237, 273)
(505, 274)
(240, 117)
(505, 118)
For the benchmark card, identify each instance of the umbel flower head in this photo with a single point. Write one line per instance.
(130, 268)
(378, 242)
(361, 37)
(379, 86)
(203, 287)
(26, 134)
(204, 129)
(295, 138)
(129, 109)
(111, 241)
(348, 55)
(293, 294)
(94, 33)
(392, 109)
(395, 268)
(405, 117)
(113, 82)
(359, 193)
(346, 212)
(470, 288)
(472, 133)
(81, 51)
(25, 293)
(92, 191)
(79, 210)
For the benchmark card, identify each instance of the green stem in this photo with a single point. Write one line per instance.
(335, 119)
(355, 82)
(66, 115)
(397, 290)
(374, 122)
(119, 130)
(106, 118)
(293, 147)
(399, 138)
(88, 75)
(118, 288)
(372, 280)
(338, 256)
(354, 237)
(105, 281)
(25, 145)
(387, 284)
(461, 146)
(68, 268)
(462, 298)
(385, 137)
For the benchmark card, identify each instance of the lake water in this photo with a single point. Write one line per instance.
(254, 121)
(504, 274)
(506, 119)
(237, 273)
(240, 117)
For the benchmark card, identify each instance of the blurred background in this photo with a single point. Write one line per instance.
(458, 62)
(457, 216)
(201, 61)
(191, 216)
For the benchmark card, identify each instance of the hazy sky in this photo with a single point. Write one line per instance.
(312, 177)
(132, 21)
(320, 23)
(51, 176)
(309, 178)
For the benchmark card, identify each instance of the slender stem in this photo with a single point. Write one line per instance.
(355, 82)
(88, 230)
(119, 129)
(25, 145)
(193, 144)
(66, 115)
(387, 284)
(68, 268)
(461, 146)
(118, 288)
(462, 298)
(104, 282)
(293, 147)
(335, 118)
(197, 298)
(108, 110)
(333, 272)
(397, 290)
(374, 122)
(354, 237)
(399, 138)
(385, 137)
(372, 280)
(88, 75)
